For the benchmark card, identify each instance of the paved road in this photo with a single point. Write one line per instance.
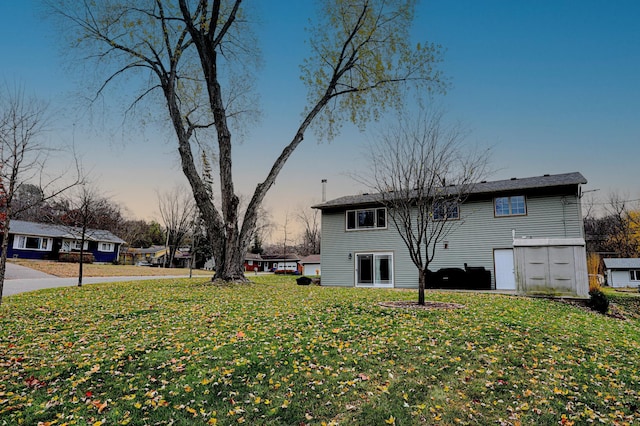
(19, 279)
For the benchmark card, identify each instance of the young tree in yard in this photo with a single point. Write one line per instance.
(87, 211)
(198, 56)
(177, 212)
(310, 243)
(423, 172)
(23, 156)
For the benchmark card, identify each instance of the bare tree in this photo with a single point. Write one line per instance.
(177, 210)
(23, 155)
(86, 212)
(423, 173)
(197, 55)
(310, 221)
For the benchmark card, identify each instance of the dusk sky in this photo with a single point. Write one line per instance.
(551, 86)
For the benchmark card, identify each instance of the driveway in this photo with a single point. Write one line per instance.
(20, 279)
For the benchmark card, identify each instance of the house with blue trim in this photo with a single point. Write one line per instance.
(31, 240)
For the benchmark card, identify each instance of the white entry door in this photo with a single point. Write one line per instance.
(504, 269)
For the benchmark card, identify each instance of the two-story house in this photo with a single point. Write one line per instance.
(361, 246)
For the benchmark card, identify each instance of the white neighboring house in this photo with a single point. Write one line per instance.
(622, 272)
(311, 265)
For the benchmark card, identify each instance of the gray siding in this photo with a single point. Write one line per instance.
(621, 278)
(472, 239)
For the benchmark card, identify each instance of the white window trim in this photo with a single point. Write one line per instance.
(635, 272)
(446, 217)
(373, 228)
(20, 242)
(73, 245)
(495, 210)
(111, 247)
(374, 253)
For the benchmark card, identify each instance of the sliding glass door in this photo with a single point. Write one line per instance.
(374, 269)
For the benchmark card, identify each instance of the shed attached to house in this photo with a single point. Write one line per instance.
(622, 272)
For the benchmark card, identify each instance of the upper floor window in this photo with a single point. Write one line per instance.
(32, 243)
(511, 206)
(366, 219)
(446, 210)
(634, 275)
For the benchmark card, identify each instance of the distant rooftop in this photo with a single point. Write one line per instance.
(60, 231)
(484, 187)
(625, 263)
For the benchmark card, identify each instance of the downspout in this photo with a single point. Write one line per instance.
(564, 214)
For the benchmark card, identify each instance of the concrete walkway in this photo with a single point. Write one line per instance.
(19, 279)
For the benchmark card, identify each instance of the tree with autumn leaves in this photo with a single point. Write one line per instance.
(616, 231)
(199, 58)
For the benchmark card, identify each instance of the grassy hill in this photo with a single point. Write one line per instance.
(188, 352)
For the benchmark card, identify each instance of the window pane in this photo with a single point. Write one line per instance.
(502, 206)
(383, 269)
(365, 268)
(517, 205)
(453, 211)
(366, 219)
(32, 243)
(381, 218)
(351, 220)
(438, 211)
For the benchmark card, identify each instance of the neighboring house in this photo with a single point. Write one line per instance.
(30, 240)
(311, 265)
(361, 246)
(622, 272)
(280, 262)
(253, 262)
(146, 256)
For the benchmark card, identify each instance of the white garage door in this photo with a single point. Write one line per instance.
(505, 274)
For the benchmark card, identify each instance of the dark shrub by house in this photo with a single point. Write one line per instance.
(599, 301)
(74, 257)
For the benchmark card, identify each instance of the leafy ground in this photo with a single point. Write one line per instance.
(188, 352)
(68, 270)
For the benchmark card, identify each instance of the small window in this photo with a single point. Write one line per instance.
(511, 206)
(108, 247)
(366, 219)
(446, 210)
(634, 275)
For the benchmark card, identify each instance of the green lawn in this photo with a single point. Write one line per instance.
(185, 352)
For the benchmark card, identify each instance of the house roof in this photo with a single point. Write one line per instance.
(252, 256)
(280, 256)
(480, 188)
(147, 250)
(628, 263)
(312, 258)
(60, 231)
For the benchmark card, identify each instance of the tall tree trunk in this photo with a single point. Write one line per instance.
(81, 263)
(421, 285)
(3, 256)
